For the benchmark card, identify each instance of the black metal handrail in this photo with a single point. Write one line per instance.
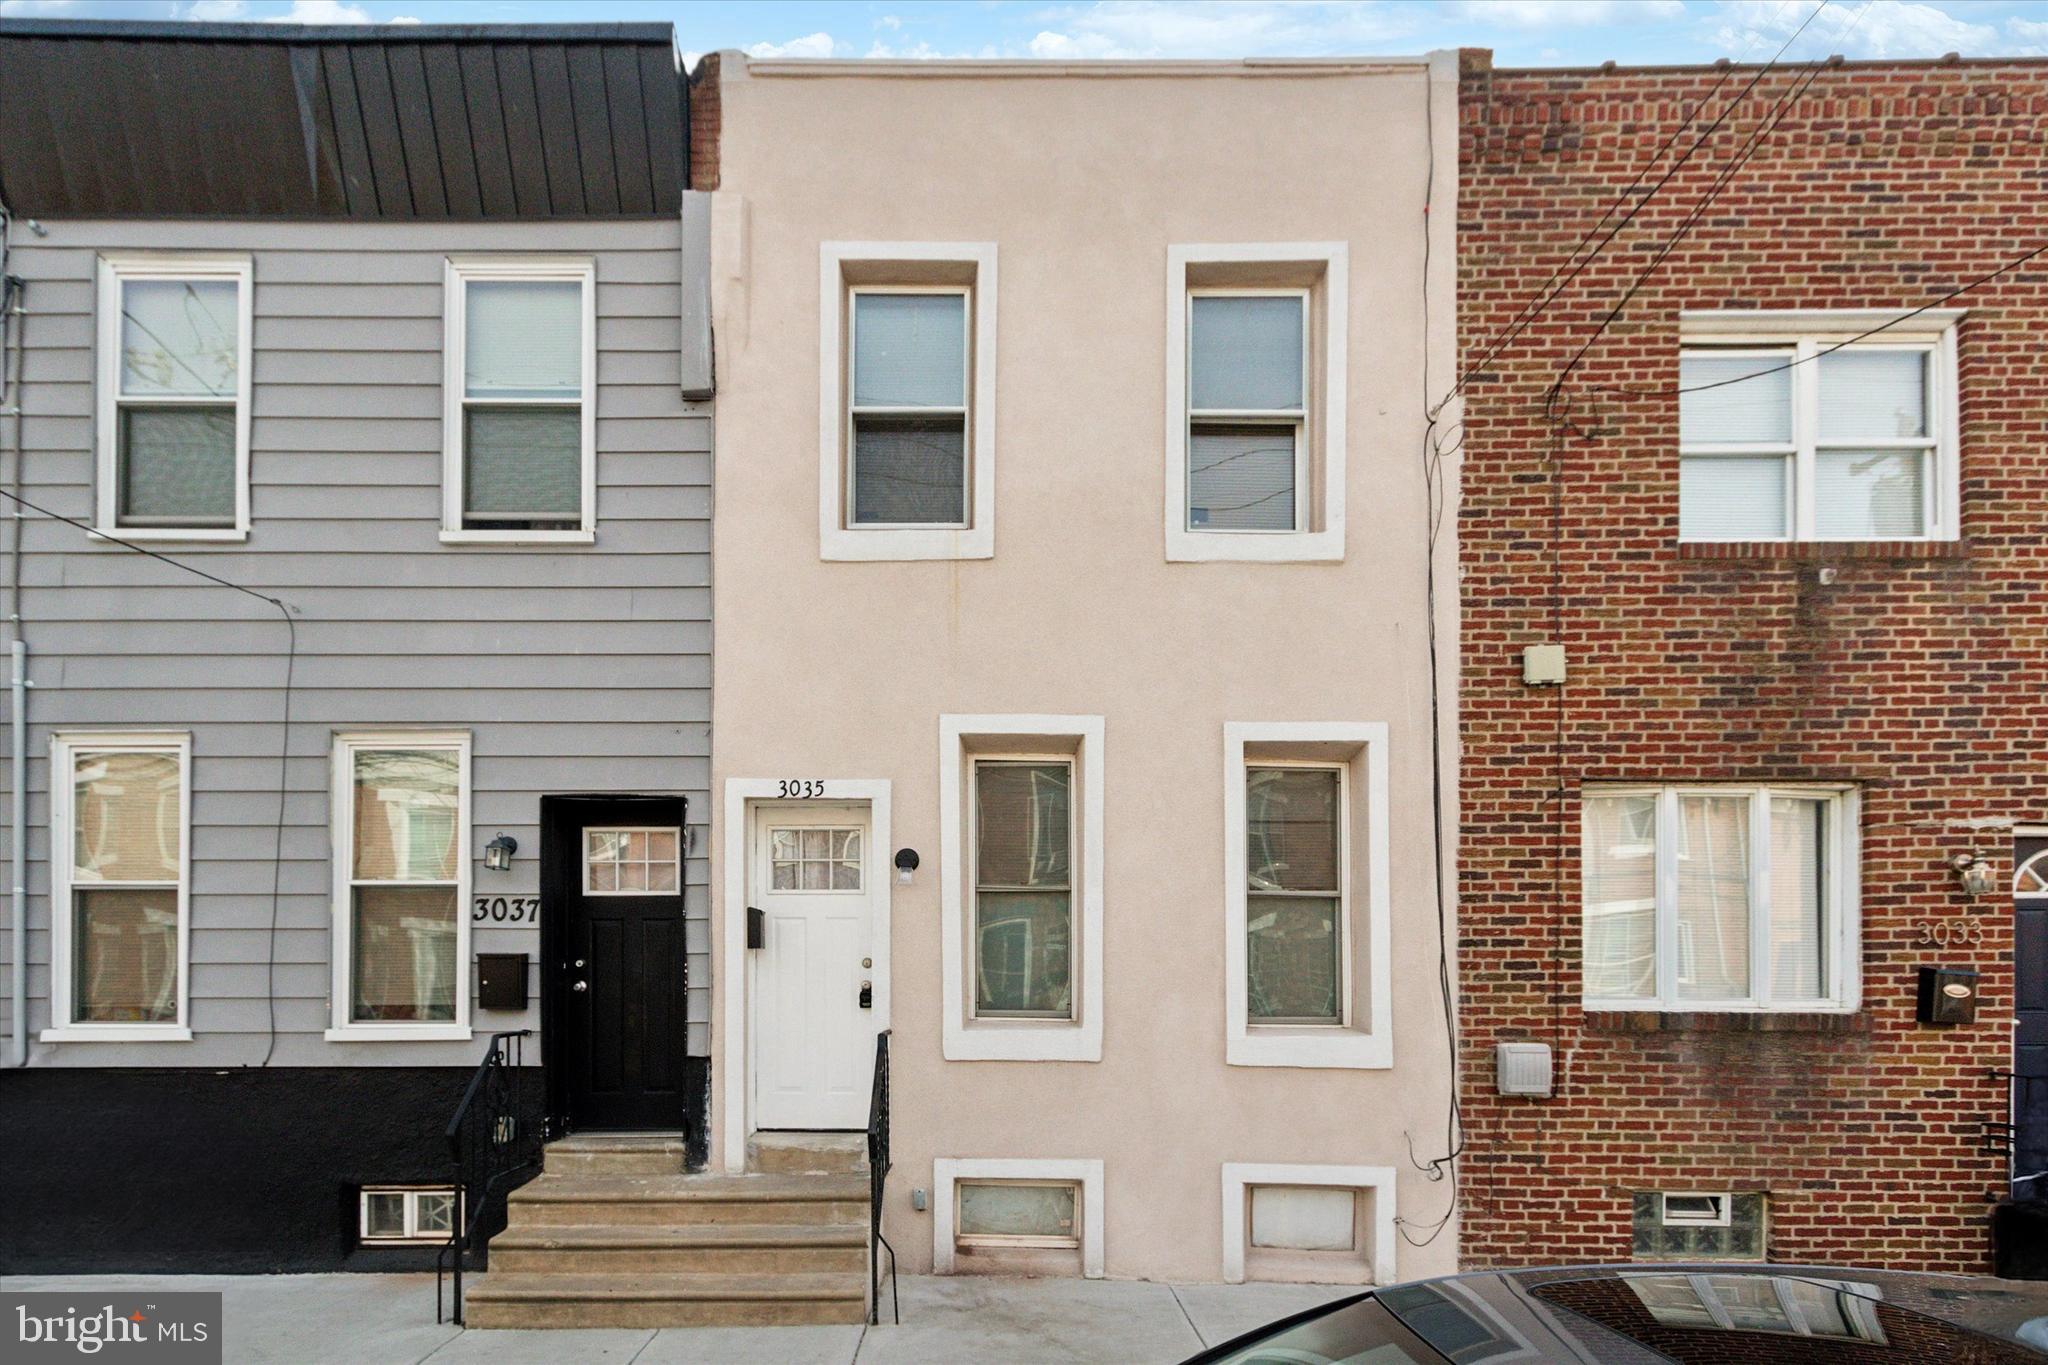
(490, 1145)
(878, 1177)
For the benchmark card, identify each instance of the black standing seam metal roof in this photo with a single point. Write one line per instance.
(281, 121)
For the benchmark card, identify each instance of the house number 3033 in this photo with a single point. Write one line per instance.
(802, 788)
(1951, 933)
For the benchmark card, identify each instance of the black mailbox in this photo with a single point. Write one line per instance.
(501, 981)
(1948, 995)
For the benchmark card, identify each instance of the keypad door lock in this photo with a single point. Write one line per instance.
(867, 995)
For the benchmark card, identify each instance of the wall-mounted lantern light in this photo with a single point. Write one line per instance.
(1973, 873)
(498, 853)
(906, 863)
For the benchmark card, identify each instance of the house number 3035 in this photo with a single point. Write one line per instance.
(802, 788)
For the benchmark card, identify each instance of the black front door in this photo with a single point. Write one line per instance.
(613, 961)
(2030, 1002)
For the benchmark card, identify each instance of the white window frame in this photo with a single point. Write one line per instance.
(1721, 1217)
(341, 797)
(1299, 420)
(963, 740)
(1377, 1181)
(949, 1172)
(115, 269)
(65, 750)
(855, 409)
(1357, 1043)
(1800, 338)
(1841, 938)
(412, 1235)
(838, 264)
(1319, 449)
(458, 273)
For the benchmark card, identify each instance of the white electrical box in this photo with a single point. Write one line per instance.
(1543, 665)
(1522, 1068)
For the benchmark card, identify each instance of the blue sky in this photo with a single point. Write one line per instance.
(1521, 32)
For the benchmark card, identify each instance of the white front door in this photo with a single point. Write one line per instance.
(814, 1039)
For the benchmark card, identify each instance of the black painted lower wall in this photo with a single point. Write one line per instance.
(217, 1171)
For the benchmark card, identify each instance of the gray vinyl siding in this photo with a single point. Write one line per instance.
(574, 669)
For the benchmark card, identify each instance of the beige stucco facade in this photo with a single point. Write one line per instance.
(839, 672)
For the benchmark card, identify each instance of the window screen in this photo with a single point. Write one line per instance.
(908, 451)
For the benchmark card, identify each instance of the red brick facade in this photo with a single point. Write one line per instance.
(1918, 672)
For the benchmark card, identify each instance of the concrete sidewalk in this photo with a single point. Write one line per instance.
(389, 1320)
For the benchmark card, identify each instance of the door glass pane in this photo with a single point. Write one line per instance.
(1732, 497)
(1869, 494)
(1756, 408)
(127, 817)
(1798, 882)
(1866, 394)
(1244, 353)
(631, 861)
(1618, 881)
(910, 350)
(524, 339)
(1713, 897)
(1023, 960)
(179, 337)
(523, 464)
(815, 859)
(407, 805)
(1037, 1211)
(404, 959)
(1296, 974)
(177, 466)
(125, 956)
(1241, 477)
(909, 470)
(384, 1214)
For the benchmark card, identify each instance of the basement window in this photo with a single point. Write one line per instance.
(407, 1215)
(1670, 1226)
(1018, 1213)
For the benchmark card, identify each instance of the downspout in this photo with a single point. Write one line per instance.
(13, 325)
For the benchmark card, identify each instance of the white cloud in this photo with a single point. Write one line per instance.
(2029, 37)
(1546, 14)
(320, 12)
(889, 21)
(17, 9)
(810, 45)
(1876, 28)
(403, 19)
(1222, 28)
(215, 11)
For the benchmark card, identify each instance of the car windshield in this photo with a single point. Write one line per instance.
(1358, 1333)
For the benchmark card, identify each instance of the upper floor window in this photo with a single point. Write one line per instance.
(120, 868)
(174, 397)
(1786, 434)
(520, 410)
(906, 445)
(1255, 398)
(1719, 897)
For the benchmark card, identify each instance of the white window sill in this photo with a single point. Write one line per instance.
(1324, 1048)
(1715, 1007)
(400, 1033)
(116, 1033)
(215, 534)
(518, 537)
(1253, 547)
(842, 543)
(1022, 1040)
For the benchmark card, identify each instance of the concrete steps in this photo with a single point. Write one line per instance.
(614, 1233)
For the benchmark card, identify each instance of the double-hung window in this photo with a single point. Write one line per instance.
(907, 432)
(1255, 401)
(520, 410)
(1023, 889)
(174, 390)
(1794, 435)
(1247, 410)
(1719, 897)
(401, 803)
(120, 863)
(1294, 953)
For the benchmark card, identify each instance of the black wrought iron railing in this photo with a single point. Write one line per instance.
(878, 1178)
(494, 1142)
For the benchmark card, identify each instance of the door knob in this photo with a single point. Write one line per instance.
(579, 985)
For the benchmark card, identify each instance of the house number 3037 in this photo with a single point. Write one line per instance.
(802, 788)
(505, 909)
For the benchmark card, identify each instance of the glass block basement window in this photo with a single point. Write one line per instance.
(1683, 1227)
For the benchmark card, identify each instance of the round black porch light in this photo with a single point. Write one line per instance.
(498, 853)
(906, 863)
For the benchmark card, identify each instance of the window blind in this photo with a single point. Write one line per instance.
(1732, 497)
(1869, 494)
(523, 464)
(910, 350)
(1872, 394)
(1245, 353)
(909, 470)
(1241, 477)
(177, 465)
(523, 339)
(1758, 409)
